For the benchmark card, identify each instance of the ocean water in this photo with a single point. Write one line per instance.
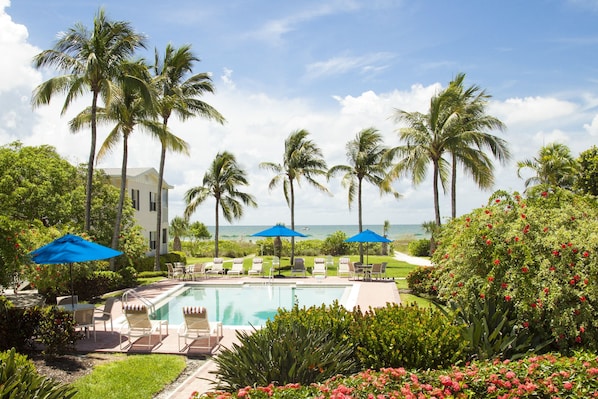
(320, 232)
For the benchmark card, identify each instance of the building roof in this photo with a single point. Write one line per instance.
(133, 173)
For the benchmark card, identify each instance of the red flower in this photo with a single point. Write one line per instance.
(545, 229)
(490, 278)
(552, 268)
(523, 216)
(489, 225)
(488, 242)
(572, 282)
(525, 324)
(524, 269)
(516, 239)
(482, 295)
(487, 211)
(582, 329)
(578, 340)
(497, 200)
(468, 220)
(507, 298)
(504, 286)
(546, 290)
(533, 305)
(544, 194)
(496, 261)
(586, 254)
(556, 253)
(586, 281)
(582, 299)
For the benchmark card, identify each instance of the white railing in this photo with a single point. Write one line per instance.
(133, 294)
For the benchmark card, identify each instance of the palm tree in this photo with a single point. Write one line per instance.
(385, 230)
(367, 161)
(471, 138)
(554, 166)
(302, 158)
(221, 181)
(131, 106)
(179, 94)
(179, 227)
(90, 60)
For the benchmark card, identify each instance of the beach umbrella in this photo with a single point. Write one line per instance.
(367, 236)
(71, 249)
(278, 231)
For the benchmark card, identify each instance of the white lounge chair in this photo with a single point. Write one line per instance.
(257, 267)
(139, 325)
(343, 267)
(319, 267)
(217, 267)
(237, 268)
(196, 326)
(106, 313)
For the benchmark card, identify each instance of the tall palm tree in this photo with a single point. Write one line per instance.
(471, 139)
(425, 141)
(385, 231)
(302, 158)
(90, 60)
(367, 161)
(554, 166)
(131, 106)
(221, 181)
(178, 93)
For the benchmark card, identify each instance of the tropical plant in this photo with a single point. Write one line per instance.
(179, 227)
(131, 105)
(179, 94)
(471, 138)
(221, 181)
(90, 60)
(553, 167)
(587, 173)
(454, 124)
(537, 255)
(367, 161)
(302, 158)
(385, 231)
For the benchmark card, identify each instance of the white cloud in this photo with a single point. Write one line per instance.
(369, 63)
(532, 109)
(592, 127)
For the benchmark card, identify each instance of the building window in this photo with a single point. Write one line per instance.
(153, 199)
(164, 232)
(152, 240)
(135, 198)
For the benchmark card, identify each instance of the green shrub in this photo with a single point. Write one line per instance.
(419, 247)
(305, 247)
(129, 277)
(537, 253)
(335, 244)
(422, 281)
(56, 331)
(299, 346)
(410, 337)
(17, 326)
(152, 274)
(20, 361)
(19, 380)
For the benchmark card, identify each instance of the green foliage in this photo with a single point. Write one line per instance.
(410, 337)
(546, 376)
(491, 331)
(299, 346)
(539, 254)
(20, 361)
(335, 244)
(56, 331)
(587, 177)
(421, 281)
(129, 277)
(199, 231)
(19, 380)
(17, 326)
(305, 247)
(419, 247)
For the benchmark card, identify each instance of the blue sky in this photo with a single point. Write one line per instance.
(333, 68)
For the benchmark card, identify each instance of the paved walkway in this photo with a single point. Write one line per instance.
(413, 260)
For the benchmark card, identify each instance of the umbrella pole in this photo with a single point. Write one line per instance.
(72, 285)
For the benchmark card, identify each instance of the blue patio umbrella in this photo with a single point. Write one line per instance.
(367, 236)
(70, 249)
(278, 231)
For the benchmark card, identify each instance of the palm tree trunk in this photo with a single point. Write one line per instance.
(121, 199)
(292, 220)
(216, 229)
(360, 217)
(91, 161)
(159, 208)
(454, 188)
(435, 193)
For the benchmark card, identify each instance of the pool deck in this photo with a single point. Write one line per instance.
(372, 294)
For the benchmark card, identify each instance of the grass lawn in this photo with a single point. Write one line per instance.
(139, 376)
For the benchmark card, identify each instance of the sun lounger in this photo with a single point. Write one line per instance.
(299, 267)
(257, 267)
(237, 268)
(217, 268)
(139, 325)
(197, 328)
(319, 267)
(343, 267)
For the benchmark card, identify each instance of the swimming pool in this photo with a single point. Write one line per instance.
(244, 305)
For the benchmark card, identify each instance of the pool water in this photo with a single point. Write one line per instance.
(245, 305)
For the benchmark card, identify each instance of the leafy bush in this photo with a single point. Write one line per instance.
(305, 247)
(547, 376)
(421, 281)
(129, 277)
(56, 331)
(410, 337)
(539, 254)
(419, 247)
(20, 361)
(17, 326)
(19, 380)
(335, 244)
(299, 346)
(152, 274)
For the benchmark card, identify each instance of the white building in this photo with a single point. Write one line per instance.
(141, 187)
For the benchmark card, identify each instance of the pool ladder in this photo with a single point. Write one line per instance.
(133, 294)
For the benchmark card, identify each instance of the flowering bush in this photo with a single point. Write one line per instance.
(536, 255)
(546, 376)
